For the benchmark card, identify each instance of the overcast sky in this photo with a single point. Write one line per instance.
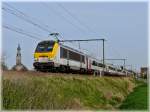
(123, 24)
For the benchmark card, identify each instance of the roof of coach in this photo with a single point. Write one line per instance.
(73, 49)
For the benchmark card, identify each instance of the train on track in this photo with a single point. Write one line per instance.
(53, 56)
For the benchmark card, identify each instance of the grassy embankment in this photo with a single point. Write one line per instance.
(31, 90)
(137, 100)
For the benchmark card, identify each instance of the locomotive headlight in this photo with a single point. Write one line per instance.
(35, 59)
(49, 59)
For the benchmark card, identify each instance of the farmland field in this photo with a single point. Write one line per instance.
(53, 91)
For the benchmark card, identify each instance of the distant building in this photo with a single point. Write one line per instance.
(144, 72)
(3, 65)
(19, 66)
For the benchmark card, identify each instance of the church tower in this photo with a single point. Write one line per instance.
(19, 66)
(18, 56)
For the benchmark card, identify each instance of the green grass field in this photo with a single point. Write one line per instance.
(137, 100)
(34, 90)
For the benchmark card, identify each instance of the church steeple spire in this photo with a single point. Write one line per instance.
(18, 56)
(18, 47)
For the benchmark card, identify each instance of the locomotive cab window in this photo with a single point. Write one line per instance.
(45, 46)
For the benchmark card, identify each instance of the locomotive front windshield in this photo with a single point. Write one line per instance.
(45, 46)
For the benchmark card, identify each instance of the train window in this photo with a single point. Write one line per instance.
(118, 70)
(83, 59)
(111, 68)
(96, 63)
(74, 56)
(63, 53)
(121, 67)
(93, 63)
(45, 46)
(101, 65)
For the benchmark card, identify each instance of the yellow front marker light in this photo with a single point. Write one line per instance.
(35, 59)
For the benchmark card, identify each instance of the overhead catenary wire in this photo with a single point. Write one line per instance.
(20, 31)
(61, 16)
(25, 15)
(28, 16)
(33, 23)
(25, 19)
(114, 50)
(76, 18)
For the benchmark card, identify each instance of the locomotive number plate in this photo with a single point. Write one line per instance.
(43, 59)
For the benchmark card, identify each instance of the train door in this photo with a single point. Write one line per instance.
(87, 62)
(67, 57)
(80, 61)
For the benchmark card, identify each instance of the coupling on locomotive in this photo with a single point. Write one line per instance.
(51, 55)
